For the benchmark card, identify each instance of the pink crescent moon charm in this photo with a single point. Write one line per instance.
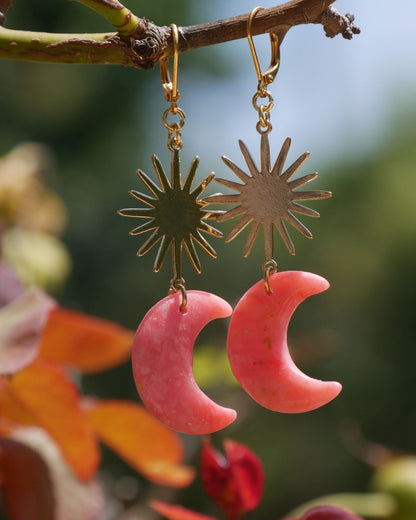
(257, 345)
(162, 359)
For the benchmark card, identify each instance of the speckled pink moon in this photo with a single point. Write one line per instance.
(162, 360)
(257, 345)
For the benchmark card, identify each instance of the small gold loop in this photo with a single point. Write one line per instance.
(170, 87)
(264, 78)
(264, 128)
(261, 95)
(269, 267)
(174, 125)
(178, 284)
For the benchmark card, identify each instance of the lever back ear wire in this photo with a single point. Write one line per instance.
(170, 89)
(264, 78)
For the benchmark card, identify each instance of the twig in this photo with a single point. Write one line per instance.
(285, 16)
(140, 43)
(119, 16)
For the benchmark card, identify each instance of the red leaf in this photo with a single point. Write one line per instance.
(43, 395)
(143, 442)
(234, 482)
(174, 512)
(38, 483)
(84, 342)
(27, 485)
(21, 325)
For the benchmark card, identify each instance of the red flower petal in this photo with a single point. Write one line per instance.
(234, 482)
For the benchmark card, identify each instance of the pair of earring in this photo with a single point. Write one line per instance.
(257, 348)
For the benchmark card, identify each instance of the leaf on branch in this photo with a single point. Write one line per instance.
(143, 442)
(43, 395)
(84, 342)
(21, 325)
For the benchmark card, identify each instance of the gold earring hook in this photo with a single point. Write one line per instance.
(265, 78)
(170, 87)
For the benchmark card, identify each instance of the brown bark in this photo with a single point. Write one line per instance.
(149, 42)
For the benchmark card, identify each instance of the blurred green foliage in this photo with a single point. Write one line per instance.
(96, 120)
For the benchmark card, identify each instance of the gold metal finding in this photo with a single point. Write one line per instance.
(267, 198)
(178, 284)
(170, 89)
(174, 214)
(174, 127)
(264, 78)
(269, 267)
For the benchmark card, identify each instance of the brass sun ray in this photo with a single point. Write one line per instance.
(266, 199)
(175, 215)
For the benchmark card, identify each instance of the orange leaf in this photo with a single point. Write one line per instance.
(174, 512)
(84, 342)
(142, 441)
(43, 395)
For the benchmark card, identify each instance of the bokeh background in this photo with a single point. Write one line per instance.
(352, 104)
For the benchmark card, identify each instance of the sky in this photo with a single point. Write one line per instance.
(333, 97)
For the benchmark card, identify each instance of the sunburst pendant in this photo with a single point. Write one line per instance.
(174, 214)
(267, 197)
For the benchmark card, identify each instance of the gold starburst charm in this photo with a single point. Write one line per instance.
(175, 215)
(267, 197)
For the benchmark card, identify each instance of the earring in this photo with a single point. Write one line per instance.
(257, 335)
(162, 351)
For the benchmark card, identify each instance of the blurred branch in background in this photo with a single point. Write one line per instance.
(140, 43)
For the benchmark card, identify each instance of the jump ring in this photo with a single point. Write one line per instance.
(269, 267)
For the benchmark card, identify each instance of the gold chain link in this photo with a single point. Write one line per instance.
(174, 127)
(263, 125)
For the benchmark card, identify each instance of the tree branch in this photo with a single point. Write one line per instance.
(119, 16)
(63, 48)
(280, 19)
(140, 43)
